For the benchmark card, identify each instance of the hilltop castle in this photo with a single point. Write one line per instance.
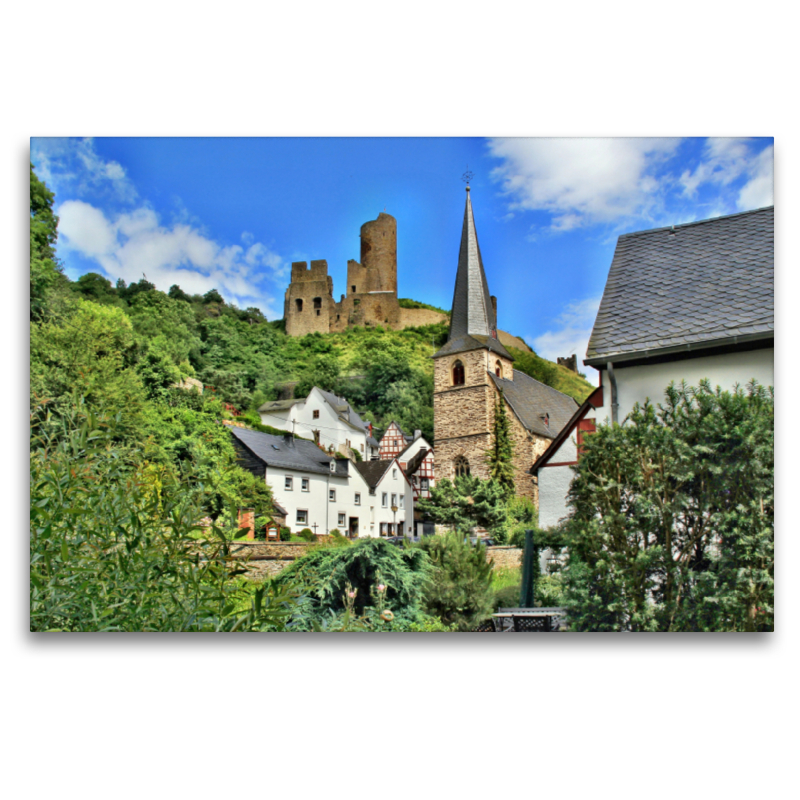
(371, 298)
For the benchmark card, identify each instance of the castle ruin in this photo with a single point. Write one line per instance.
(371, 297)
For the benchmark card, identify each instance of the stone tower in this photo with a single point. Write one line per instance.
(371, 297)
(464, 393)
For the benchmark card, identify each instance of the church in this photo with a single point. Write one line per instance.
(473, 370)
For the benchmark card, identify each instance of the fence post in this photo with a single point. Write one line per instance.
(526, 591)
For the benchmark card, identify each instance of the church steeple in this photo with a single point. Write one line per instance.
(472, 306)
(473, 320)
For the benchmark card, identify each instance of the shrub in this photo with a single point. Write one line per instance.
(327, 574)
(286, 534)
(307, 535)
(459, 588)
(114, 547)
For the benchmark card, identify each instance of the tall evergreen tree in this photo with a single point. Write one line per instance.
(45, 269)
(500, 454)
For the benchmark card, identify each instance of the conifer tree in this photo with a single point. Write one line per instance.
(500, 454)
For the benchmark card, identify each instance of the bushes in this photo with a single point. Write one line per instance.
(307, 535)
(114, 547)
(286, 534)
(459, 588)
(326, 575)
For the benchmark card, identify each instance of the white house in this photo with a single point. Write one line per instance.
(320, 492)
(684, 303)
(390, 497)
(325, 418)
(415, 455)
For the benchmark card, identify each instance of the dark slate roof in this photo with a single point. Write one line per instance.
(473, 320)
(688, 285)
(373, 471)
(297, 454)
(413, 465)
(530, 399)
(345, 411)
(278, 405)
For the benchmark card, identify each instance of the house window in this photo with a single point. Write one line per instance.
(394, 499)
(315, 413)
(384, 529)
(402, 499)
(423, 484)
(498, 369)
(332, 495)
(394, 474)
(384, 500)
(358, 498)
(342, 520)
(287, 483)
(302, 516)
(304, 484)
(461, 466)
(458, 374)
(298, 304)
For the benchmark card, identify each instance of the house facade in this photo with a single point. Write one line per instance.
(324, 417)
(473, 372)
(689, 302)
(317, 491)
(686, 303)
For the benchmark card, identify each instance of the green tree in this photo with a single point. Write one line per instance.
(458, 590)
(465, 503)
(499, 458)
(672, 522)
(45, 271)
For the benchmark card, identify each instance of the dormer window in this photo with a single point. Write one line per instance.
(333, 466)
(458, 374)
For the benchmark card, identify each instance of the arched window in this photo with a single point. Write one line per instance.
(461, 466)
(458, 374)
(298, 304)
(498, 369)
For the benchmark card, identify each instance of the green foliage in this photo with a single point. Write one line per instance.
(672, 523)
(327, 574)
(45, 271)
(406, 302)
(458, 590)
(560, 378)
(465, 503)
(307, 535)
(286, 534)
(499, 457)
(114, 543)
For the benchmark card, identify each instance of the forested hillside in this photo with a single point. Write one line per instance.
(120, 350)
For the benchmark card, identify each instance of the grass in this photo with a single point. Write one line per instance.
(505, 577)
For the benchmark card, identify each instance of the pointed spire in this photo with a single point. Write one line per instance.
(473, 314)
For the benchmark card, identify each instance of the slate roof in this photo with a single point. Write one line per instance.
(278, 405)
(373, 471)
(530, 399)
(679, 287)
(296, 454)
(414, 463)
(473, 320)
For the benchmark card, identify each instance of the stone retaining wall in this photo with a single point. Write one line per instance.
(504, 557)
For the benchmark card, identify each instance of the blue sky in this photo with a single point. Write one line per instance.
(233, 213)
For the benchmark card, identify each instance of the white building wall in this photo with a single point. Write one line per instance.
(393, 482)
(554, 485)
(634, 384)
(332, 430)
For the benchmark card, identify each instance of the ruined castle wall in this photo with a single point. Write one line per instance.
(308, 305)
(416, 317)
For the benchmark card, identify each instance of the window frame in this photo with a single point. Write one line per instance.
(288, 483)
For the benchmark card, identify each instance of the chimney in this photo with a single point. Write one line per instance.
(288, 438)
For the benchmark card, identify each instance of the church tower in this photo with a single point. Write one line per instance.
(464, 390)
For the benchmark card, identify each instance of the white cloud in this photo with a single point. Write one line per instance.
(136, 244)
(726, 160)
(571, 334)
(581, 181)
(758, 191)
(73, 166)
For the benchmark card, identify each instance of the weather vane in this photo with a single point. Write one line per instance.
(467, 176)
